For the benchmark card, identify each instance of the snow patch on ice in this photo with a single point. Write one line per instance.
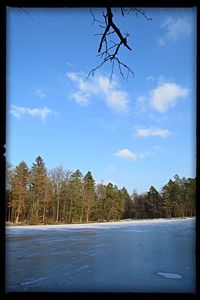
(104, 225)
(91, 253)
(133, 230)
(170, 275)
(83, 267)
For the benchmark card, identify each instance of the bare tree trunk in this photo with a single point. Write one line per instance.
(57, 209)
(18, 214)
(70, 211)
(81, 216)
(43, 217)
(87, 214)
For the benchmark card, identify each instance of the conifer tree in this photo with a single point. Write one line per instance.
(127, 204)
(8, 201)
(39, 182)
(89, 199)
(76, 197)
(153, 200)
(101, 202)
(20, 182)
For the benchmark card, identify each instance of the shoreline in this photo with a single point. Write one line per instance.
(97, 224)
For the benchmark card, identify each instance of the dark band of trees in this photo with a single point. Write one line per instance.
(39, 197)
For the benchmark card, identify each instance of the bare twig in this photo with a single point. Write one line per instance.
(113, 60)
(122, 11)
(25, 11)
(139, 11)
(94, 19)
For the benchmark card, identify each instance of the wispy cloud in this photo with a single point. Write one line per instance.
(175, 28)
(40, 93)
(42, 113)
(142, 103)
(151, 78)
(144, 153)
(111, 168)
(164, 96)
(125, 153)
(158, 149)
(100, 86)
(152, 131)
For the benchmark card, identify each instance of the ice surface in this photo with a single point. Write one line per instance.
(133, 256)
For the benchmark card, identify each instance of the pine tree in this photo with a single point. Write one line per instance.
(154, 203)
(89, 199)
(9, 178)
(39, 181)
(76, 197)
(20, 182)
(110, 197)
(190, 196)
(101, 202)
(128, 204)
(118, 203)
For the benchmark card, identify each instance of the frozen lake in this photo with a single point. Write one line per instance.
(134, 256)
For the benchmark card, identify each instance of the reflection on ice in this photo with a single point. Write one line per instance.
(32, 281)
(91, 253)
(170, 275)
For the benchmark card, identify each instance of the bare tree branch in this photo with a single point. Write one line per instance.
(108, 52)
(108, 49)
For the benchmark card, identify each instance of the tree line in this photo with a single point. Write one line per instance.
(38, 196)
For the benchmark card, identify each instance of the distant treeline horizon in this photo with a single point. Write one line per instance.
(39, 196)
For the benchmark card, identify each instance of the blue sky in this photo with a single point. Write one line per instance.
(134, 133)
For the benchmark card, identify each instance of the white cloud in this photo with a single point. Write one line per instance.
(146, 132)
(19, 111)
(166, 95)
(85, 88)
(175, 29)
(125, 153)
(40, 93)
(162, 97)
(100, 86)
